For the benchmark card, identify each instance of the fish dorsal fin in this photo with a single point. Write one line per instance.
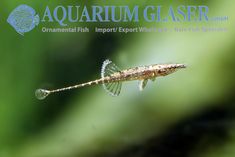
(108, 68)
(113, 87)
(142, 84)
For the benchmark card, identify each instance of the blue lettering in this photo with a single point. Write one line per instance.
(113, 14)
(181, 12)
(152, 16)
(85, 14)
(201, 13)
(128, 16)
(47, 14)
(64, 15)
(106, 8)
(70, 12)
(191, 12)
(96, 12)
(171, 13)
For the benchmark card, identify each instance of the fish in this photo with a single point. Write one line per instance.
(112, 77)
(23, 19)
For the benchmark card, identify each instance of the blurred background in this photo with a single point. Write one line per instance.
(190, 113)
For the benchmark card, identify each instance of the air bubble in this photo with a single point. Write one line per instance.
(41, 93)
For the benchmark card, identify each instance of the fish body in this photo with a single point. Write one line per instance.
(112, 77)
(23, 19)
(145, 72)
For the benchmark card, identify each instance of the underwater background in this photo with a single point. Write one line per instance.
(190, 113)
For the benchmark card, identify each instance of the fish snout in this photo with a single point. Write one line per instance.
(181, 66)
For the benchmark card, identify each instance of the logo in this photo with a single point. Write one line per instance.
(67, 18)
(23, 19)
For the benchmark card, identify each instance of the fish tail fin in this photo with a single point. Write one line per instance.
(36, 20)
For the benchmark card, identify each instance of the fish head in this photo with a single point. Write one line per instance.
(166, 69)
(171, 68)
(180, 66)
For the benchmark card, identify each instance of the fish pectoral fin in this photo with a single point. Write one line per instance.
(108, 68)
(153, 79)
(113, 88)
(142, 84)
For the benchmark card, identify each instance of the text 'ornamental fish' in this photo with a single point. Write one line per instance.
(112, 77)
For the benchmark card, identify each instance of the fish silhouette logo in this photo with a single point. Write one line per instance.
(23, 19)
